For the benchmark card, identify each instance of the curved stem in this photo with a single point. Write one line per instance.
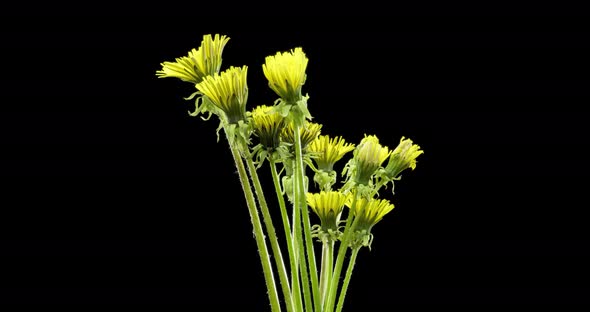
(295, 287)
(274, 242)
(351, 263)
(258, 232)
(301, 204)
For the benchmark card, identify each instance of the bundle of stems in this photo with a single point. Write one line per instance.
(283, 139)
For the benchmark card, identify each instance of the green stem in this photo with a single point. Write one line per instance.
(331, 298)
(274, 242)
(298, 243)
(296, 290)
(326, 269)
(351, 263)
(258, 232)
(301, 204)
(304, 277)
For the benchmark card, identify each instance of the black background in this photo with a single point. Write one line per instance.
(113, 194)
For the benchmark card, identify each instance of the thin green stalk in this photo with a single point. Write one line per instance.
(326, 269)
(331, 298)
(258, 232)
(296, 230)
(351, 263)
(305, 286)
(277, 184)
(305, 279)
(323, 271)
(295, 288)
(302, 206)
(274, 242)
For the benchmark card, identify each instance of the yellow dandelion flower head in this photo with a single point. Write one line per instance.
(368, 212)
(329, 151)
(285, 72)
(370, 151)
(369, 155)
(200, 63)
(268, 125)
(309, 133)
(403, 157)
(328, 206)
(228, 91)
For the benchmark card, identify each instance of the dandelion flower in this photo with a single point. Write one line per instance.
(403, 157)
(367, 212)
(228, 91)
(368, 157)
(285, 72)
(268, 126)
(328, 206)
(200, 63)
(309, 133)
(329, 151)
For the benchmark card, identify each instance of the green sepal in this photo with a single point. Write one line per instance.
(202, 105)
(361, 238)
(282, 107)
(302, 105)
(325, 180)
(299, 112)
(288, 187)
(325, 235)
(259, 154)
(219, 128)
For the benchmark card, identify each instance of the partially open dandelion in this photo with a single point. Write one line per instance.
(309, 133)
(367, 212)
(228, 91)
(368, 157)
(268, 126)
(285, 72)
(200, 63)
(403, 157)
(328, 206)
(329, 150)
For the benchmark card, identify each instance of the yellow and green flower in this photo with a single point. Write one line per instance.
(309, 133)
(368, 157)
(367, 212)
(200, 63)
(268, 126)
(328, 206)
(228, 91)
(403, 157)
(328, 151)
(285, 72)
